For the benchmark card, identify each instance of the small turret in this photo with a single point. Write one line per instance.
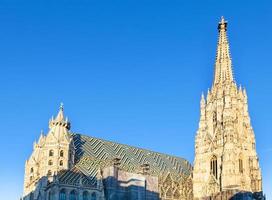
(202, 105)
(59, 120)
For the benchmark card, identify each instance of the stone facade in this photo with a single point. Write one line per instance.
(66, 165)
(225, 147)
(125, 185)
(51, 154)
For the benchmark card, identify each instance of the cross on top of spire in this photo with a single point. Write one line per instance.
(61, 106)
(222, 24)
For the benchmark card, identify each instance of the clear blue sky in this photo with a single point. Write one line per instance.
(127, 71)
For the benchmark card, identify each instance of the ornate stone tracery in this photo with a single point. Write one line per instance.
(172, 189)
(225, 138)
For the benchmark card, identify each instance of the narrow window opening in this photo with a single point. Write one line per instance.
(213, 167)
(51, 153)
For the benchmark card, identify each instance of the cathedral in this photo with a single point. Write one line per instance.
(66, 165)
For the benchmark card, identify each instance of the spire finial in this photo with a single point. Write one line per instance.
(222, 24)
(223, 66)
(61, 106)
(202, 101)
(202, 97)
(60, 118)
(222, 19)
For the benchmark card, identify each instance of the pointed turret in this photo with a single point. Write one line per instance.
(202, 105)
(60, 119)
(60, 115)
(202, 101)
(223, 67)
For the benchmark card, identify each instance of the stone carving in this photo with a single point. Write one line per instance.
(225, 154)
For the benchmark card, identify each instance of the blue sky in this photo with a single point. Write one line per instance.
(126, 71)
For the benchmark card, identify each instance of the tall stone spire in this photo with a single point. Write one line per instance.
(225, 153)
(223, 67)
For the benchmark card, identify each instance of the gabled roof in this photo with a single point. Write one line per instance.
(75, 177)
(93, 154)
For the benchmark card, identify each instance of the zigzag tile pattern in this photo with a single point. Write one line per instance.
(93, 154)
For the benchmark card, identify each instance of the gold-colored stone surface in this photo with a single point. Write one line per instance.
(225, 152)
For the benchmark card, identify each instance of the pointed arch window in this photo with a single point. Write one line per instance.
(49, 173)
(50, 162)
(50, 195)
(169, 193)
(213, 166)
(93, 197)
(86, 195)
(51, 153)
(240, 165)
(176, 194)
(62, 195)
(214, 117)
(31, 170)
(31, 196)
(73, 195)
(61, 153)
(70, 155)
(61, 163)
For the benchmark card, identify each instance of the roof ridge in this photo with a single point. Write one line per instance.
(131, 146)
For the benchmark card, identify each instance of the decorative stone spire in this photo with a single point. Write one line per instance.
(202, 102)
(60, 115)
(223, 67)
(59, 120)
(202, 105)
(225, 141)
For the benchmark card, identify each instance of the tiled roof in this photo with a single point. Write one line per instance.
(93, 154)
(74, 177)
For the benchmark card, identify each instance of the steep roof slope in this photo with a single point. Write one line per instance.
(93, 154)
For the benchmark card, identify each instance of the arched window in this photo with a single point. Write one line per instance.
(62, 195)
(86, 195)
(214, 117)
(51, 153)
(31, 170)
(73, 195)
(61, 163)
(31, 177)
(61, 153)
(50, 196)
(49, 173)
(240, 165)
(50, 162)
(213, 166)
(31, 196)
(93, 197)
(70, 155)
(169, 193)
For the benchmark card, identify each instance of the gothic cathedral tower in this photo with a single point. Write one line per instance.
(225, 152)
(52, 153)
